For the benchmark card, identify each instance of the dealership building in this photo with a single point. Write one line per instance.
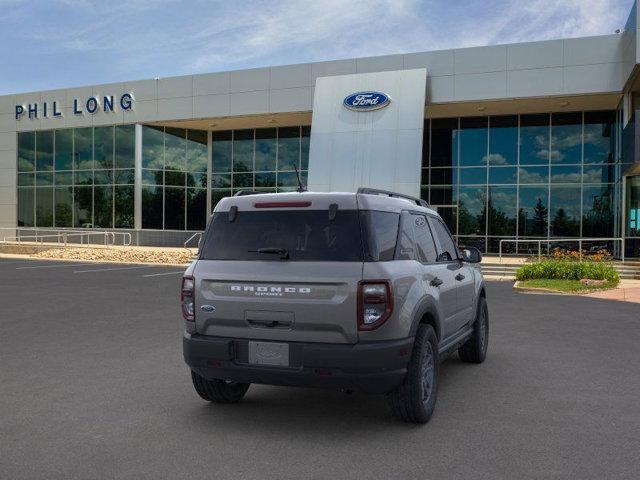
(519, 142)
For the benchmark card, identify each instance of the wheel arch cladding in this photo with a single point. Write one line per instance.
(427, 313)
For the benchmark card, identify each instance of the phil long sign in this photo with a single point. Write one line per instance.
(91, 105)
(366, 101)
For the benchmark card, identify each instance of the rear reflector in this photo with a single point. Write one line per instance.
(282, 204)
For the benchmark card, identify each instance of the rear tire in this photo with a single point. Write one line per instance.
(415, 400)
(475, 349)
(219, 391)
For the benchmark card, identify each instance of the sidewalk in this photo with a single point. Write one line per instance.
(627, 291)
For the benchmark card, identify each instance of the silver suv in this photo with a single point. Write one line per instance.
(356, 291)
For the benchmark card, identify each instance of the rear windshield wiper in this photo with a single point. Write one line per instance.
(283, 252)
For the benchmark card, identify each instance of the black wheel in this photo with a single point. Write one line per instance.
(415, 400)
(219, 391)
(475, 349)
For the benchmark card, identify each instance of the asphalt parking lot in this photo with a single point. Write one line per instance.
(92, 385)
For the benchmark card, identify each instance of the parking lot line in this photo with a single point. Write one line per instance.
(53, 266)
(112, 269)
(165, 273)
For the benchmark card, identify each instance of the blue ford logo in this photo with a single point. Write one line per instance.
(366, 101)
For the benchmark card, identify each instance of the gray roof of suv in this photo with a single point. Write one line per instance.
(322, 200)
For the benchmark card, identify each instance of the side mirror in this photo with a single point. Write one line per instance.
(471, 255)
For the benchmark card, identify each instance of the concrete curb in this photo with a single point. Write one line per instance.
(75, 260)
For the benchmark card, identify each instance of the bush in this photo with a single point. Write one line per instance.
(568, 270)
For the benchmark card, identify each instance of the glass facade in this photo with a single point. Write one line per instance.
(539, 176)
(77, 177)
(262, 159)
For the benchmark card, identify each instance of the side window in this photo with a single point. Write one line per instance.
(424, 241)
(446, 247)
(406, 244)
(380, 234)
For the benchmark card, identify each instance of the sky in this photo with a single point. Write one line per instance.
(48, 44)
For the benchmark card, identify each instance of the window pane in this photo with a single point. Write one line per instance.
(124, 207)
(597, 211)
(243, 150)
(599, 173)
(243, 180)
(44, 207)
(44, 150)
(102, 177)
(152, 177)
(221, 181)
(304, 147)
(473, 141)
(503, 140)
(197, 152)
(288, 148)
(501, 175)
(534, 139)
(565, 211)
(82, 206)
(125, 152)
(444, 176)
(83, 148)
(103, 147)
(471, 211)
(124, 176)
(44, 179)
(152, 207)
(152, 147)
(221, 151)
(446, 248)
(175, 149)
(442, 196)
(425, 246)
(444, 148)
(26, 151)
(265, 179)
(196, 208)
(566, 174)
(197, 179)
(266, 149)
(176, 179)
(83, 177)
(533, 213)
(26, 202)
(450, 217)
(473, 176)
(380, 234)
(566, 138)
(174, 208)
(289, 179)
(534, 175)
(599, 140)
(501, 210)
(64, 149)
(103, 207)
(26, 179)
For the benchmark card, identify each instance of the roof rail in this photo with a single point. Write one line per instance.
(244, 193)
(376, 191)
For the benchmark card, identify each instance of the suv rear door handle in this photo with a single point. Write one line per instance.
(459, 277)
(436, 282)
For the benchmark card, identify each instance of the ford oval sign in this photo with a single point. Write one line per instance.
(366, 101)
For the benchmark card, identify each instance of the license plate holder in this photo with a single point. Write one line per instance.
(269, 353)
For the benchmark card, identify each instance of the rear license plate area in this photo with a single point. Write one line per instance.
(269, 353)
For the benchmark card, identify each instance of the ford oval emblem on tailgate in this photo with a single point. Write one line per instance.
(366, 101)
(208, 308)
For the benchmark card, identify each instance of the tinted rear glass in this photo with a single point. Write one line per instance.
(306, 235)
(381, 234)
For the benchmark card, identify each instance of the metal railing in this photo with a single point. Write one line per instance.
(549, 242)
(69, 237)
(197, 235)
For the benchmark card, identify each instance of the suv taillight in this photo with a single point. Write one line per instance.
(187, 298)
(375, 303)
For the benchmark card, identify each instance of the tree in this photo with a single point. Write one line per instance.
(540, 219)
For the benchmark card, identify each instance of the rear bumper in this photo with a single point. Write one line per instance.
(374, 367)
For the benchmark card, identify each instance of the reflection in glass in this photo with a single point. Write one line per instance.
(63, 207)
(442, 196)
(502, 175)
(533, 212)
(103, 207)
(266, 149)
(566, 138)
(471, 211)
(26, 179)
(221, 151)
(103, 147)
(197, 152)
(152, 207)
(196, 208)
(473, 141)
(26, 151)
(501, 211)
(503, 140)
(605, 173)
(571, 174)
(26, 205)
(473, 176)
(123, 201)
(597, 211)
(44, 207)
(288, 148)
(44, 150)
(565, 211)
(599, 141)
(304, 147)
(83, 148)
(125, 150)
(174, 208)
(152, 147)
(243, 150)
(265, 179)
(83, 206)
(534, 139)
(44, 179)
(444, 176)
(175, 149)
(64, 149)
(534, 175)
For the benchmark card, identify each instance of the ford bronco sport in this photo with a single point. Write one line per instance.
(356, 291)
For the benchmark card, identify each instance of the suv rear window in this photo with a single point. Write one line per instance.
(307, 235)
